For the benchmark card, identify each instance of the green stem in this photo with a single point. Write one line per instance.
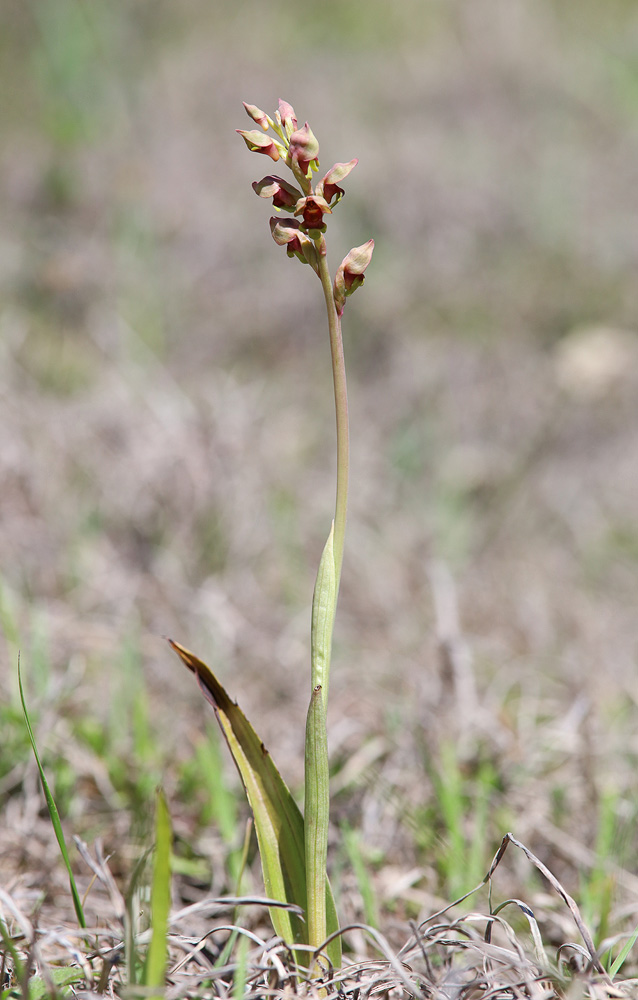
(323, 613)
(341, 407)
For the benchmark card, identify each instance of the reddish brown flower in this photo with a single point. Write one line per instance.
(313, 208)
(257, 142)
(328, 187)
(350, 274)
(283, 194)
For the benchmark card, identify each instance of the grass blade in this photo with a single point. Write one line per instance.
(227, 950)
(622, 956)
(53, 810)
(9, 949)
(278, 821)
(352, 844)
(241, 972)
(156, 957)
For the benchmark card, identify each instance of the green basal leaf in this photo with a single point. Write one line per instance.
(278, 821)
(157, 955)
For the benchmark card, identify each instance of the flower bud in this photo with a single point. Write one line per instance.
(283, 194)
(350, 274)
(287, 117)
(328, 187)
(257, 142)
(304, 149)
(257, 115)
(313, 208)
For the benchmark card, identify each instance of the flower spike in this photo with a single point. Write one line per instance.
(302, 236)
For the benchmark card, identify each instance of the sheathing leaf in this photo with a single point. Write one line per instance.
(279, 823)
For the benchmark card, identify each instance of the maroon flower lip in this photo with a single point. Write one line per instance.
(312, 209)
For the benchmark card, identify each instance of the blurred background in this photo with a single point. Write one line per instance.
(167, 427)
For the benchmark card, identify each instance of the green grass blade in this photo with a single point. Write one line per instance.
(352, 844)
(133, 900)
(278, 821)
(221, 806)
(53, 810)
(452, 804)
(241, 972)
(316, 810)
(156, 958)
(9, 949)
(598, 887)
(622, 956)
(227, 950)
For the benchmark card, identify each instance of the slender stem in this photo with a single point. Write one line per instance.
(341, 407)
(323, 614)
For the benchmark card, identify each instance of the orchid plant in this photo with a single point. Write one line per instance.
(293, 848)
